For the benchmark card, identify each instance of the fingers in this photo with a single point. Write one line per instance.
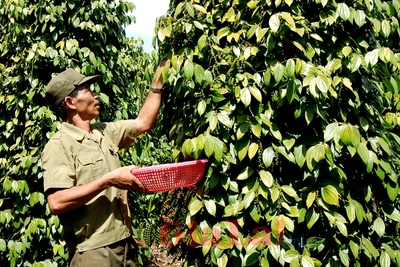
(138, 186)
(124, 179)
(132, 167)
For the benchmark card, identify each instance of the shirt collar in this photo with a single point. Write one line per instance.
(73, 131)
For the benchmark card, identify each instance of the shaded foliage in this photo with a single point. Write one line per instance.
(39, 39)
(296, 104)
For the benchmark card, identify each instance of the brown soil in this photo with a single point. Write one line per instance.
(164, 260)
(160, 257)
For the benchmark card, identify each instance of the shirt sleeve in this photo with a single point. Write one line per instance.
(122, 133)
(58, 166)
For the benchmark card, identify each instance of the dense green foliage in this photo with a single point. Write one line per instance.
(38, 39)
(296, 105)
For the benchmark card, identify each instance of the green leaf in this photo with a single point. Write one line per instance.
(384, 259)
(290, 68)
(34, 198)
(219, 148)
(188, 69)
(248, 199)
(279, 71)
(266, 178)
(251, 259)
(222, 261)
(242, 149)
(178, 9)
(104, 98)
(224, 119)
(362, 151)
(330, 195)
(256, 93)
(260, 33)
(245, 173)
(343, 11)
(195, 206)
(344, 257)
(274, 22)
(291, 90)
(346, 134)
(346, 50)
(315, 242)
(268, 156)
(319, 152)
(351, 211)
(370, 247)
(223, 32)
(310, 199)
(201, 107)
(199, 73)
(299, 154)
(256, 130)
(359, 18)
(342, 228)
(392, 191)
(190, 9)
(274, 194)
(393, 214)
(253, 149)
(354, 247)
(210, 207)
(384, 145)
(331, 131)
(245, 96)
(386, 27)
(295, 263)
(243, 128)
(289, 191)
(206, 247)
(230, 15)
(291, 255)
(379, 227)
(309, 115)
(208, 145)
(385, 166)
(306, 261)
(3, 245)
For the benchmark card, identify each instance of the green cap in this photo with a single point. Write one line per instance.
(64, 83)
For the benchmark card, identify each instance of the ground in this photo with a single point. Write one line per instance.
(161, 259)
(160, 253)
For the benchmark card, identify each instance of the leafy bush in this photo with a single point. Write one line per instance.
(39, 38)
(295, 103)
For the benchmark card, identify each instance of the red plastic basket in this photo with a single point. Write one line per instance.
(165, 177)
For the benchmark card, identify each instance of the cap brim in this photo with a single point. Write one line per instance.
(89, 79)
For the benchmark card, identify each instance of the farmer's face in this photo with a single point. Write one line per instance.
(86, 102)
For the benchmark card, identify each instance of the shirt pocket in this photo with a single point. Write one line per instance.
(90, 166)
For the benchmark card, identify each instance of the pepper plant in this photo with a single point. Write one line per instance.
(39, 39)
(296, 106)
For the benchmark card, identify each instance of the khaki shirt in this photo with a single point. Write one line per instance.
(73, 157)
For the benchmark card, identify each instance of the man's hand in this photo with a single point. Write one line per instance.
(158, 81)
(122, 178)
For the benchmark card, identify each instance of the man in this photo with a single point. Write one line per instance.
(83, 179)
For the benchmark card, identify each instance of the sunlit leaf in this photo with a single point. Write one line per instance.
(195, 206)
(343, 11)
(330, 195)
(274, 22)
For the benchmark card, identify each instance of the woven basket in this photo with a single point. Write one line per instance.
(165, 177)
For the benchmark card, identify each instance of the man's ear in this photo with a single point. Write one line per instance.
(69, 102)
